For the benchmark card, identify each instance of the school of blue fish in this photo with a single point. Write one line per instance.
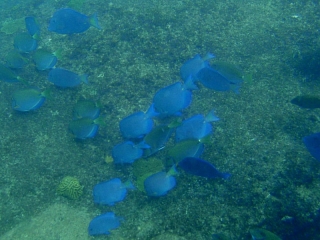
(141, 137)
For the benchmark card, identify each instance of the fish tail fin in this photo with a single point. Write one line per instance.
(100, 121)
(84, 78)
(58, 53)
(20, 79)
(175, 123)
(151, 112)
(208, 56)
(206, 139)
(235, 88)
(46, 93)
(172, 171)
(142, 144)
(225, 175)
(189, 84)
(211, 117)
(94, 21)
(129, 185)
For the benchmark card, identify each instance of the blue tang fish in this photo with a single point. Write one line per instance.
(44, 59)
(186, 148)
(85, 127)
(157, 139)
(160, 183)
(25, 43)
(68, 21)
(196, 127)
(15, 60)
(103, 223)
(64, 78)
(32, 27)
(110, 192)
(173, 98)
(312, 143)
(212, 79)
(28, 99)
(137, 124)
(86, 109)
(202, 168)
(7, 75)
(128, 152)
(192, 66)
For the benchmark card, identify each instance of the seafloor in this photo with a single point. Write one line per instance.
(275, 181)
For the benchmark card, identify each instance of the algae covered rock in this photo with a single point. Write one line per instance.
(70, 187)
(11, 26)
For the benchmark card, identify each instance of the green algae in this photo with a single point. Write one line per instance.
(11, 26)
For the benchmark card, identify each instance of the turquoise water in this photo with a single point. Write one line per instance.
(275, 181)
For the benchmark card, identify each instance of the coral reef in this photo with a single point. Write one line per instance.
(70, 187)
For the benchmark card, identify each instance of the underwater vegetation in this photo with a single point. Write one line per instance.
(70, 187)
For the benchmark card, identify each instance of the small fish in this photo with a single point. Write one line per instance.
(212, 79)
(188, 148)
(102, 224)
(86, 109)
(128, 152)
(137, 124)
(15, 60)
(7, 75)
(196, 127)
(28, 99)
(202, 168)
(229, 70)
(110, 192)
(25, 43)
(306, 101)
(44, 59)
(219, 236)
(194, 65)
(32, 27)
(160, 183)
(173, 98)
(68, 21)
(312, 143)
(157, 138)
(84, 128)
(64, 78)
(262, 234)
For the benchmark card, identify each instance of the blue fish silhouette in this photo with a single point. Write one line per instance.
(202, 168)
(173, 98)
(103, 223)
(196, 127)
(28, 99)
(137, 124)
(64, 78)
(32, 27)
(68, 21)
(312, 143)
(86, 109)
(44, 59)
(110, 192)
(25, 43)
(84, 128)
(128, 152)
(192, 66)
(160, 183)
